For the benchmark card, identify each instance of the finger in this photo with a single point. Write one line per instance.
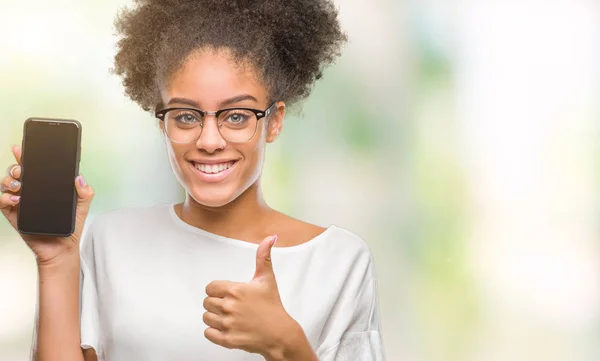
(264, 266)
(8, 200)
(85, 194)
(219, 288)
(214, 305)
(217, 337)
(9, 184)
(213, 320)
(16, 150)
(14, 171)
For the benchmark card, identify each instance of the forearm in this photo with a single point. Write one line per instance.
(58, 332)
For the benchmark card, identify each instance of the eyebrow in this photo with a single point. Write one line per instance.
(235, 99)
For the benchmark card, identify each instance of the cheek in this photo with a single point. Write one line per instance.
(256, 154)
(252, 162)
(176, 161)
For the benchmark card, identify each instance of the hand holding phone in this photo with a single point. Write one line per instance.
(42, 196)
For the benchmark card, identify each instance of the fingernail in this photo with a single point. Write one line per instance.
(15, 198)
(82, 181)
(14, 184)
(274, 240)
(11, 172)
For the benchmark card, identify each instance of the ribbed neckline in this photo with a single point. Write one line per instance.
(240, 243)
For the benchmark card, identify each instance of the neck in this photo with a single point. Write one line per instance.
(243, 218)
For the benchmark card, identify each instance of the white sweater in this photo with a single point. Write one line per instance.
(144, 273)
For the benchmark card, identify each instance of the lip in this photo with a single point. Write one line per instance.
(212, 161)
(212, 178)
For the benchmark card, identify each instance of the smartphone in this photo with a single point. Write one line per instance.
(49, 163)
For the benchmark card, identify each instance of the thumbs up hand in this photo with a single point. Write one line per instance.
(250, 316)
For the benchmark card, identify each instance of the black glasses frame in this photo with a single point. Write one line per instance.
(203, 113)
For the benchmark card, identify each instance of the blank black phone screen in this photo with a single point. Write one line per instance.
(50, 158)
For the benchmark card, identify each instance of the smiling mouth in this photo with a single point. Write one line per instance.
(213, 168)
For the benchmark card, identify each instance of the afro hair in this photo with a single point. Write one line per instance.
(289, 42)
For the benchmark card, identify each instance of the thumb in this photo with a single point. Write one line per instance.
(85, 193)
(264, 265)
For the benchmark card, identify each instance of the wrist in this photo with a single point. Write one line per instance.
(293, 345)
(63, 263)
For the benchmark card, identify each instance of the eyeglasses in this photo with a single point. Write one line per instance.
(237, 125)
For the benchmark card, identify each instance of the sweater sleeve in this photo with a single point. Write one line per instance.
(358, 318)
(88, 303)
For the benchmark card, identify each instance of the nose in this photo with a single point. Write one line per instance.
(210, 139)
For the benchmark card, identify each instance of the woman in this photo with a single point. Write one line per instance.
(202, 280)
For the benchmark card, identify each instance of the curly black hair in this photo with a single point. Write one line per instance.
(289, 42)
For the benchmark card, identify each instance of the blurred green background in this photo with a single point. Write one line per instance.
(459, 139)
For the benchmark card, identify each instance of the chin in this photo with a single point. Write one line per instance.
(212, 198)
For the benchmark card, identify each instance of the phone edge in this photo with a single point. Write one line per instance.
(78, 155)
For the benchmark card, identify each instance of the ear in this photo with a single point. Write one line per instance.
(275, 122)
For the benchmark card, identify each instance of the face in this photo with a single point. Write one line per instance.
(213, 171)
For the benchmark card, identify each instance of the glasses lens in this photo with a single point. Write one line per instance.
(237, 125)
(183, 125)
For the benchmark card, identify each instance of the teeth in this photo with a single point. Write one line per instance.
(212, 168)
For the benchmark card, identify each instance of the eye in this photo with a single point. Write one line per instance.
(237, 117)
(185, 117)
